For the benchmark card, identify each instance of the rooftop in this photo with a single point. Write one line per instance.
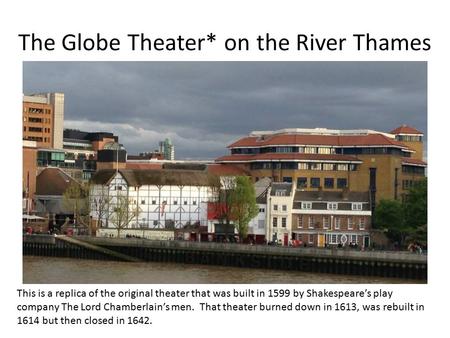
(138, 178)
(331, 196)
(288, 139)
(406, 130)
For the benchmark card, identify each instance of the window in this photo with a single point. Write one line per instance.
(356, 206)
(310, 150)
(342, 167)
(153, 202)
(328, 166)
(261, 224)
(333, 239)
(354, 239)
(287, 179)
(332, 206)
(283, 222)
(275, 207)
(275, 222)
(337, 223)
(280, 193)
(310, 238)
(175, 202)
(350, 223)
(323, 150)
(306, 205)
(361, 223)
(329, 182)
(326, 222)
(194, 202)
(284, 207)
(261, 210)
(155, 222)
(302, 182)
(300, 221)
(315, 182)
(341, 183)
(142, 201)
(303, 166)
(315, 166)
(311, 222)
(185, 202)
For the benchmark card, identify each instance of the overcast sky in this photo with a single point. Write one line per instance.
(204, 106)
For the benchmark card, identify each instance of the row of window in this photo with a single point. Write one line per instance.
(38, 139)
(331, 238)
(413, 170)
(332, 206)
(286, 149)
(38, 111)
(341, 238)
(164, 202)
(275, 222)
(283, 207)
(37, 129)
(303, 166)
(328, 182)
(408, 138)
(312, 222)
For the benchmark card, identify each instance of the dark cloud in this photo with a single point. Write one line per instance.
(203, 106)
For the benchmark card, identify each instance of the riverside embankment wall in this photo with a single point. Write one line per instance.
(339, 261)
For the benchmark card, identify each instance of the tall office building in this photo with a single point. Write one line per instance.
(167, 149)
(43, 119)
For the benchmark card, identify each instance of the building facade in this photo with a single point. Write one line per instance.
(329, 218)
(167, 149)
(279, 214)
(29, 173)
(360, 160)
(160, 199)
(43, 118)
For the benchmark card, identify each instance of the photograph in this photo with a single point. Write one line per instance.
(224, 172)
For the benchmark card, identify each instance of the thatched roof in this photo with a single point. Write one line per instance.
(158, 177)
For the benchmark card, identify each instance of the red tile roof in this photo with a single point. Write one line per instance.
(288, 156)
(413, 161)
(326, 140)
(404, 129)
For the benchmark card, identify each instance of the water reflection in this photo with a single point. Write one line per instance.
(37, 270)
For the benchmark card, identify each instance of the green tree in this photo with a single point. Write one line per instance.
(76, 199)
(415, 211)
(242, 202)
(123, 213)
(389, 216)
(415, 205)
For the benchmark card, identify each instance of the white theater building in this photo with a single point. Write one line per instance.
(161, 200)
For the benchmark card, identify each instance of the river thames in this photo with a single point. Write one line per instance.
(52, 270)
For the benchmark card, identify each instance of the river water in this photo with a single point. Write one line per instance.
(47, 270)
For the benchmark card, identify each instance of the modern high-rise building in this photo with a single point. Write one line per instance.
(167, 149)
(385, 164)
(43, 119)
